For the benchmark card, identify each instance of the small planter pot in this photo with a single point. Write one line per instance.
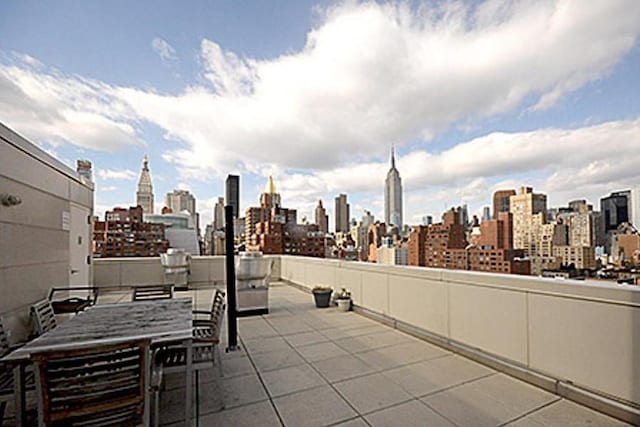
(322, 297)
(344, 304)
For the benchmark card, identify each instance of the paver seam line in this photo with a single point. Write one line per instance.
(273, 405)
(439, 413)
(431, 393)
(380, 372)
(376, 370)
(348, 420)
(327, 382)
(526, 414)
(403, 365)
(414, 399)
(393, 405)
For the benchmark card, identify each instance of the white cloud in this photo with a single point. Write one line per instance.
(166, 52)
(566, 163)
(52, 108)
(371, 74)
(110, 174)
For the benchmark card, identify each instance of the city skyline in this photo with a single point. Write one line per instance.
(300, 101)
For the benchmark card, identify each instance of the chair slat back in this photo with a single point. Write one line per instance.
(4, 340)
(145, 293)
(102, 385)
(43, 316)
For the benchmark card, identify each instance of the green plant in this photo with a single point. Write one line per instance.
(343, 294)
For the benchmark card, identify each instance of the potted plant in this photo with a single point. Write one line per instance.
(343, 299)
(322, 296)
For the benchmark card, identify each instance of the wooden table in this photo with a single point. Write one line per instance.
(161, 321)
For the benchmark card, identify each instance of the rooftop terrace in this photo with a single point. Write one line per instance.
(300, 365)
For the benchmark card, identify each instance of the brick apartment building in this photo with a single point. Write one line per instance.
(123, 233)
(444, 245)
(273, 229)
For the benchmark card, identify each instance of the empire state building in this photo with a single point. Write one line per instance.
(393, 195)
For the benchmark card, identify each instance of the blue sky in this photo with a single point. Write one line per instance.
(476, 96)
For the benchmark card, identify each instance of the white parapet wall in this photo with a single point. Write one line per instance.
(128, 272)
(580, 339)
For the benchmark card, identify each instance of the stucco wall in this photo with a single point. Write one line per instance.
(34, 239)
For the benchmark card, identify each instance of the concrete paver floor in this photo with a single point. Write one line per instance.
(303, 366)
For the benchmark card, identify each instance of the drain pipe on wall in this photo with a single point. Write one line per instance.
(232, 315)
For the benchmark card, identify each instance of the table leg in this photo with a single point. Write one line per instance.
(188, 382)
(147, 381)
(19, 394)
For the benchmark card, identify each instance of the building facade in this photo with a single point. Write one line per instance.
(218, 214)
(580, 257)
(528, 211)
(321, 217)
(342, 213)
(180, 200)
(123, 233)
(272, 229)
(144, 195)
(502, 201)
(393, 196)
(615, 210)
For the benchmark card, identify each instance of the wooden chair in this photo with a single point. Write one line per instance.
(6, 374)
(97, 386)
(206, 337)
(73, 303)
(146, 293)
(43, 316)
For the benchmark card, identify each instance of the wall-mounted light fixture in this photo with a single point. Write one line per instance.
(9, 199)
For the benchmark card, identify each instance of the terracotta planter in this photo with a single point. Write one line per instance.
(322, 297)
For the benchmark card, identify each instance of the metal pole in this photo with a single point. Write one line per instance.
(232, 316)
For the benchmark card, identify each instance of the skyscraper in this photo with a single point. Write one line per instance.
(232, 193)
(501, 201)
(342, 214)
(393, 195)
(144, 195)
(322, 220)
(616, 209)
(183, 200)
(528, 211)
(180, 200)
(218, 214)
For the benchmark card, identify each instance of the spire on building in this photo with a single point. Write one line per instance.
(270, 198)
(393, 194)
(144, 195)
(271, 186)
(393, 158)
